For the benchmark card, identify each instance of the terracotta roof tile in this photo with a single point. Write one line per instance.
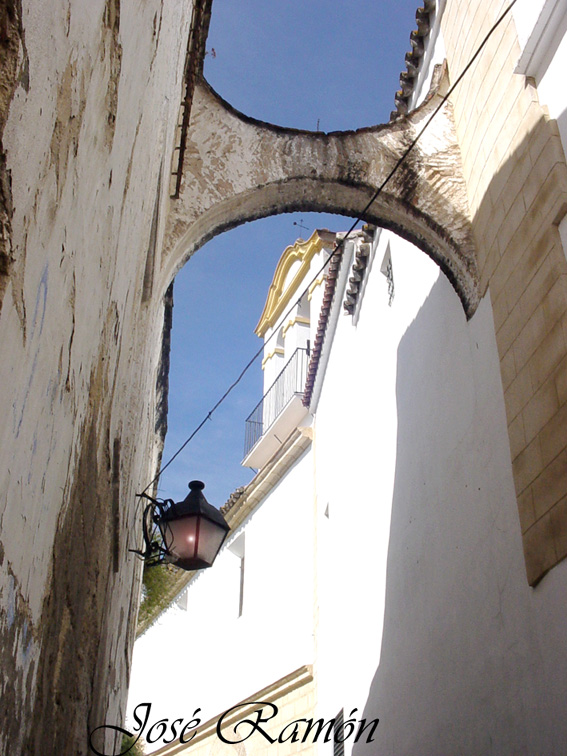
(413, 59)
(330, 286)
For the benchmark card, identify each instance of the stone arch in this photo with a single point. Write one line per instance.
(238, 169)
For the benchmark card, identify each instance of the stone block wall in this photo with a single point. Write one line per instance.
(516, 175)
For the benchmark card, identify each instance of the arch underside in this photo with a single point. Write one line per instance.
(239, 170)
(309, 195)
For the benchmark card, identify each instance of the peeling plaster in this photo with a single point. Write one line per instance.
(17, 663)
(112, 49)
(14, 70)
(78, 440)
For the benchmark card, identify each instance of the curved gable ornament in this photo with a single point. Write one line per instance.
(279, 295)
(238, 169)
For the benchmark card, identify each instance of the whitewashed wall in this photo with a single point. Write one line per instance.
(220, 658)
(355, 459)
(426, 620)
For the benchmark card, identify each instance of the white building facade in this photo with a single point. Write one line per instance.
(365, 562)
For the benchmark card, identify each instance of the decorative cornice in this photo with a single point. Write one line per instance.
(277, 350)
(290, 323)
(293, 447)
(314, 285)
(279, 295)
(328, 294)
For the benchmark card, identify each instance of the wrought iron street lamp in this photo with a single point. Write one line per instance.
(188, 533)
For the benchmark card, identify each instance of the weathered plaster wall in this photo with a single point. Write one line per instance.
(13, 69)
(93, 101)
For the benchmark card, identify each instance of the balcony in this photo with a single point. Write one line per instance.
(278, 412)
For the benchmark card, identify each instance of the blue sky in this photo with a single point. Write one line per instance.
(299, 64)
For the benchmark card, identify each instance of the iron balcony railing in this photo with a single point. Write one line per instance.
(289, 383)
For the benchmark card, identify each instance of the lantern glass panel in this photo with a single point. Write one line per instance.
(211, 537)
(184, 535)
(195, 538)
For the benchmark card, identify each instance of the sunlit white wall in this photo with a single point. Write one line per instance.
(425, 617)
(355, 460)
(207, 656)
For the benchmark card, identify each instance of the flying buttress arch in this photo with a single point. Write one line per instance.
(238, 169)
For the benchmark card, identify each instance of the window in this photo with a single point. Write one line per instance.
(238, 549)
(387, 270)
(339, 734)
(182, 600)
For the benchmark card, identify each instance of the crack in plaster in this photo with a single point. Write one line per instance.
(112, 49)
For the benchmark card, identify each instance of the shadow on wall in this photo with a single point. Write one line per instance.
(461, 668)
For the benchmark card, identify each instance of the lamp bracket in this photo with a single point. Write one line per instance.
(154, 530)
